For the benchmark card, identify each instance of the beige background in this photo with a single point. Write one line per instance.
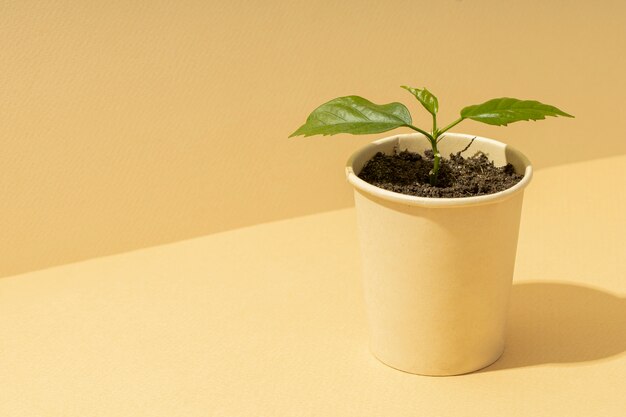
(126, 124)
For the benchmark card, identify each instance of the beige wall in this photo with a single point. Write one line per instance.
(126, 124)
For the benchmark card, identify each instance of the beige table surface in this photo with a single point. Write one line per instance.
(268, 321)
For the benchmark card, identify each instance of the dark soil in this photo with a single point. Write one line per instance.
(407, 173)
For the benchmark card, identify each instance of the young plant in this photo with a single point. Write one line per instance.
(358, 116)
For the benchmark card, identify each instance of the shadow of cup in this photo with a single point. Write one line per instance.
(562, 323)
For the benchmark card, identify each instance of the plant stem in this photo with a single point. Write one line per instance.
(435, 127)
(423, 132)
(434, 173)
(432, 138)
(451, 125)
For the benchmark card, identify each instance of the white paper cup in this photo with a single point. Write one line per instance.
(437, 271)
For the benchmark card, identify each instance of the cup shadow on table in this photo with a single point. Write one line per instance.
(557, 323)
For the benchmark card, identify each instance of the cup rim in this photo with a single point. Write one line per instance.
(369, 189)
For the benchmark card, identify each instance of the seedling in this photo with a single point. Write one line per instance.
(358, 116)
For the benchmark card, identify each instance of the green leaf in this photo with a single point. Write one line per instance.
(355, 115)
(502, 111)
(428, 100)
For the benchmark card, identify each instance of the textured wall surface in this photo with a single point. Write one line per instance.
(126, 124)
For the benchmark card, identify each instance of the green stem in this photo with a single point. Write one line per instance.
(435, 133)
(434, 173)
(423, 132)
(451, 125)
